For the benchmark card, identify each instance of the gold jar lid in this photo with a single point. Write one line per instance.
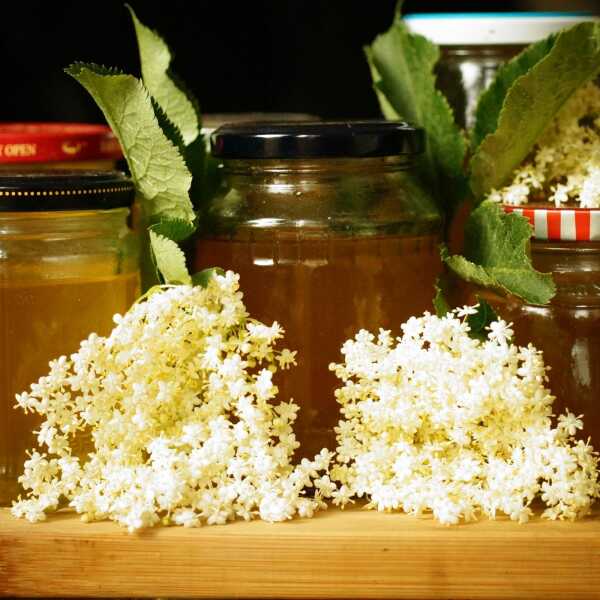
(64, 190)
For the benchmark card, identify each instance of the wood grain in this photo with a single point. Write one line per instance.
(351, 554)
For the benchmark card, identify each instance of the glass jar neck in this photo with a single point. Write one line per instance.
(498, 52)
(318, 166)
(575, 267)
(81, 223)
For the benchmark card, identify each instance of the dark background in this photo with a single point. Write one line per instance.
(257, 55)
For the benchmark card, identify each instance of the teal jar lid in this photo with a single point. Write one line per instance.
(492, 28)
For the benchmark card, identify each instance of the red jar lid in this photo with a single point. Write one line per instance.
(561, 224)
(50, 142)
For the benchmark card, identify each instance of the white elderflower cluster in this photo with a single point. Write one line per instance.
(438, 421)
(565, 164)
(179, 403)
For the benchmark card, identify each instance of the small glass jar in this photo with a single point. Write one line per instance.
(68, 263)
(330, 234)
(47, 146)
(566, 243)
(474, 45)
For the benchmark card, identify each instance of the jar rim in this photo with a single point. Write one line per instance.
(58, 190)
(316, 139)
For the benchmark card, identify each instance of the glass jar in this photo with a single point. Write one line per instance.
(44, 146)
(68, 263)
(474, 45)
(212, 121)
(566, 244)
(330, 234)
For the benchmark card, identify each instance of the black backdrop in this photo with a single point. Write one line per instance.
(259, 55)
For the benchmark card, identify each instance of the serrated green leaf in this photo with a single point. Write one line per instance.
(169, 128)
(196, 155)
(497, 255)
(387, 110)
(169, 259)
(480, 321)
(491, 101)
(402, 66)
(177, 230)
(532, 102)
(203, 277)
(155, 59)
(440, 304)
(158, 170)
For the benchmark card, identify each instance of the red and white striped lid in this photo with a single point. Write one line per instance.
(561, 224)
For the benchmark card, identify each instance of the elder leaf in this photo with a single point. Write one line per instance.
(157, 168)
(169, 259)
(169, 128)
(155, 58)
(174, 229)
(402, 66)
(206, 171)
(491, 101)
(480, 321)
(531, 103)
(440, 304)
(497, 255)
(387, 110)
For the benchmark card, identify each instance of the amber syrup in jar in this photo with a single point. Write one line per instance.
(330, 234)
(566, 243)
(68, 263)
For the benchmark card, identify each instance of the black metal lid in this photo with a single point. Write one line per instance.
(320, 139)
(64, 190)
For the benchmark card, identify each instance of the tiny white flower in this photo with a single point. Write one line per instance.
(570, 423)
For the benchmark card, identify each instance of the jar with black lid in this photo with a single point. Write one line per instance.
(68, 263)
(330, 233)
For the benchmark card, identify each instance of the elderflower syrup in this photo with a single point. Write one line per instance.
(475, 45)
(330, 233)
(68, 263)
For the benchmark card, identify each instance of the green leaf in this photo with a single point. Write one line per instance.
(169, 128)
(402, 66)
(387, 110)
(480, 321)
(155, 58)
(203, 277)
(440, 304)
(158, 170)
(491, 101)
(169, 259)
(532, 102)
(497, 255)
(174, 229)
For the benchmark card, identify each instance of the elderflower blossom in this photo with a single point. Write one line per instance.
(179, 403)
(565, 164)
(438, 421)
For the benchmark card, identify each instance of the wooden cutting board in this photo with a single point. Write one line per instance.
(350, 554)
